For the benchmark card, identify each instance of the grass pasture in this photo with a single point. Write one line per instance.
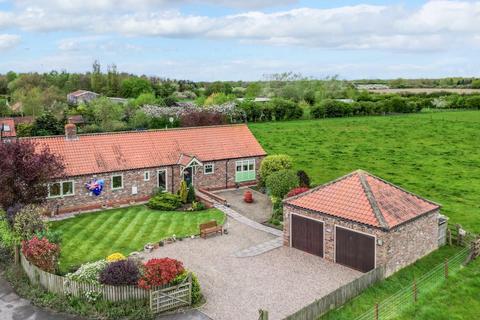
(93, 236)
(435, 155)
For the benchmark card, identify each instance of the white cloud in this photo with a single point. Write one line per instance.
(436, 25)
(8, 41)
(144, 5)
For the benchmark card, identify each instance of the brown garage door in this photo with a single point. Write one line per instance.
(307, 235)
(354, 250)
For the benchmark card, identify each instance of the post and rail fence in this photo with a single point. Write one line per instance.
(406, 297)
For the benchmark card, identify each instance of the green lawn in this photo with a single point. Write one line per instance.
(93, 236)
(435, 155)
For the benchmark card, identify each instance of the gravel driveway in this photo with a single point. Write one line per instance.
(280, 281)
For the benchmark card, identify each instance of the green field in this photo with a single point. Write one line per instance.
(435, 155)
(94, 236)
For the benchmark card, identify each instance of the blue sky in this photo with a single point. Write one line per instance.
(243, 40)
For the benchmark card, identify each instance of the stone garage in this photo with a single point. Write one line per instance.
(362, 221)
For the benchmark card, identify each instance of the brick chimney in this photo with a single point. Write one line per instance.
(71, 131)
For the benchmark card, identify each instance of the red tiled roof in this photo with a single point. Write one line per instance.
(8, 126)
(107, 152)
(364, 198)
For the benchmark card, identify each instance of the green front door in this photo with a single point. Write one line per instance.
(245, 170)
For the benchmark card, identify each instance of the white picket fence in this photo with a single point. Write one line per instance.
(63, 286)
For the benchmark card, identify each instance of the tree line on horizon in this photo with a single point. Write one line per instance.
(43, 96)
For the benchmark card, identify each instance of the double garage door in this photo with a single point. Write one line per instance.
(352, 249)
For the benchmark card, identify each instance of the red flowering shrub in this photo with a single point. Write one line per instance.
(296, 191)
(157, 272)
(41, 253)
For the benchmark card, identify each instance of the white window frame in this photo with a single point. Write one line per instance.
(166, 179)
(242, 163)
(146, 176)
(211, 164)
(111, 181)
(61, 195)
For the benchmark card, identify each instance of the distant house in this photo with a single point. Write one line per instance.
(372, 86)
(118, 100)
(80, 96)
(7, 129)
(259, 99)
(345, 100)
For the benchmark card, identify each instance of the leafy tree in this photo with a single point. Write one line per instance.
(4, 109)
(97, 81)
(219, 87)
(107, 113)
(218, 99)
(253, 90)
(133, 87)
(281, 182)
(3, 85)
(25, 170)
(11, 76)
(31, 100)
(476, 84)
(147, 98)
(47, 125)
(164, 89)
(113, 81)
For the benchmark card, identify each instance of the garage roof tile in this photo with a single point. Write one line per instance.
(364, 198)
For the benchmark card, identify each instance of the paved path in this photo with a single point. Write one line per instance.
(12, 307)
(260, 248)
(246, 221)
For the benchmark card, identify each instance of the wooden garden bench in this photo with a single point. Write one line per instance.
(209, 228)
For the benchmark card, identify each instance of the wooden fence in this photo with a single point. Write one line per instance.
(64, 286)
(339, 296)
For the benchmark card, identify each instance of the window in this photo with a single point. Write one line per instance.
(146, 176)
(245, 170)
(117, 182)
(61, 189)
(162, 180)
(208, 168)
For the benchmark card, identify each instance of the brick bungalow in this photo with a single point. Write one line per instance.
(362, 221)
(135, 164)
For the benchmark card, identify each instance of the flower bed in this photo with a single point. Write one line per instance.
(95, 291)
